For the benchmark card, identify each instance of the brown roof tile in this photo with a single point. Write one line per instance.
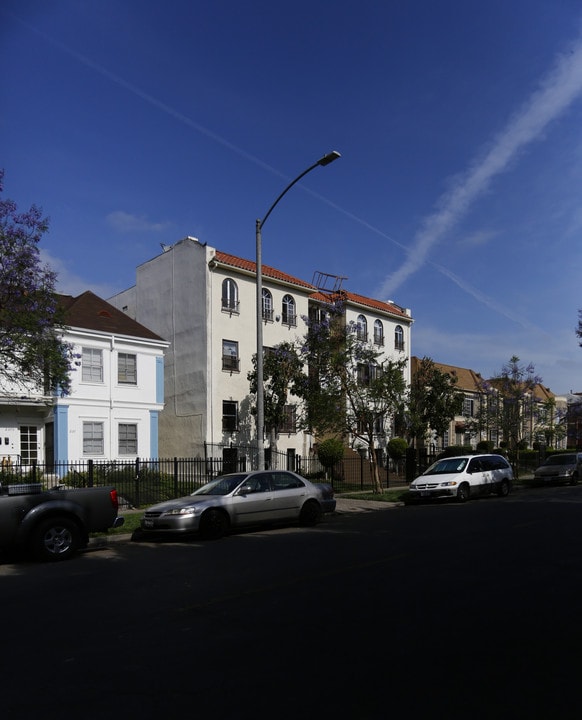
(90, 312)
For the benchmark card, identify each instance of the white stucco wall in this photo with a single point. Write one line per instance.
(109, 401)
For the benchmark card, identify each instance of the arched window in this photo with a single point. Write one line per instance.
(362, 328)
(378, 333)
(398, 338)
(267, 305)
(289, 316)
(229, 295)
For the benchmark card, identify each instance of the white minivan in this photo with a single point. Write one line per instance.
(463, 477)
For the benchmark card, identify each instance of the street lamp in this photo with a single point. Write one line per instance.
(325, 160)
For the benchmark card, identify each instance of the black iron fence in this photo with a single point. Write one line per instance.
(143, 482)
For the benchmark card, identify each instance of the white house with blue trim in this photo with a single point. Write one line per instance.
(117, 394)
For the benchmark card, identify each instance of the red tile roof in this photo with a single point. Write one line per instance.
(268, 271)
(361, 300)
(250, 266)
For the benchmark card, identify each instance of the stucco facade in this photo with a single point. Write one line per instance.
(203, 301)
(116, 396)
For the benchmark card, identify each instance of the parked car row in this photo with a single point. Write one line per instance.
(467, 476)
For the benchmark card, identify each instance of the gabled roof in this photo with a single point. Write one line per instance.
(467, 379)
(89, 312)
(250, 266)
(472, 381)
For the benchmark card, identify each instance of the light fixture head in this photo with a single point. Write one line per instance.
(330, 157)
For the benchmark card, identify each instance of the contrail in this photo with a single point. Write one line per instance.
(168, 109)
(556, 92)
(560, 87)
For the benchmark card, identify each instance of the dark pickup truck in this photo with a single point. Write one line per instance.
(54, 524)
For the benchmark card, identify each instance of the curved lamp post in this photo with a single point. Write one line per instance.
(325, 160)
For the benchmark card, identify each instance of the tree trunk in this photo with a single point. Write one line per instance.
(375, 471)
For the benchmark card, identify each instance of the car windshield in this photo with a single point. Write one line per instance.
(221, 485)
(448, 465)
(561, 460)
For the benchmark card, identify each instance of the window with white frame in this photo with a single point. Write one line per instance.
(367, 372)
(127, 438)
(93, 438)
(398, 338)
(28, 444)
(378, 332)
(92, 365)
(230, 359)
(289, 314)
(127, 369)
(468, 406)
(267, 305)
(229, 295)
(362, 328)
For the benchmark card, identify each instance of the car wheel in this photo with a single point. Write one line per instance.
(310, 513)
(55, 539)
(463, 492)
(503, 490)
(213, 524)
(574, 480)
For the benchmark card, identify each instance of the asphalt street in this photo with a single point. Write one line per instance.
(436, 611)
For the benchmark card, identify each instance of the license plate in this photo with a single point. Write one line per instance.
(424, 493)
(148, 523)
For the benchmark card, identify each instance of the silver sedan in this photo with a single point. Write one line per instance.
(239, 500)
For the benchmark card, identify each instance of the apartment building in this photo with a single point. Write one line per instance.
(203, 301)
(541, 412)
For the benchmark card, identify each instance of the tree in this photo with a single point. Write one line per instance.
(32, 351)
(433, 401)
(281, 369)
(515, 385)
(349, 388)
(579, 328)
(397, 450)
(330, 452)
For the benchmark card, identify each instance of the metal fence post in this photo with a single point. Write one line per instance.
(137, 483)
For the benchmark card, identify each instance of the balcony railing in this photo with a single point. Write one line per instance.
(230, 362)
(229, 305)
(289, 319)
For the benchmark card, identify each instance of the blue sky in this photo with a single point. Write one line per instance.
(458, 194)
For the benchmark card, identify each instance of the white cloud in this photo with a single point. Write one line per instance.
(556, 92)
(128, 223)
(478, 238)
(71, 284)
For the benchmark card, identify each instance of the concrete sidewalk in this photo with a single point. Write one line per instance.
(343, 505)
(350, 505)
